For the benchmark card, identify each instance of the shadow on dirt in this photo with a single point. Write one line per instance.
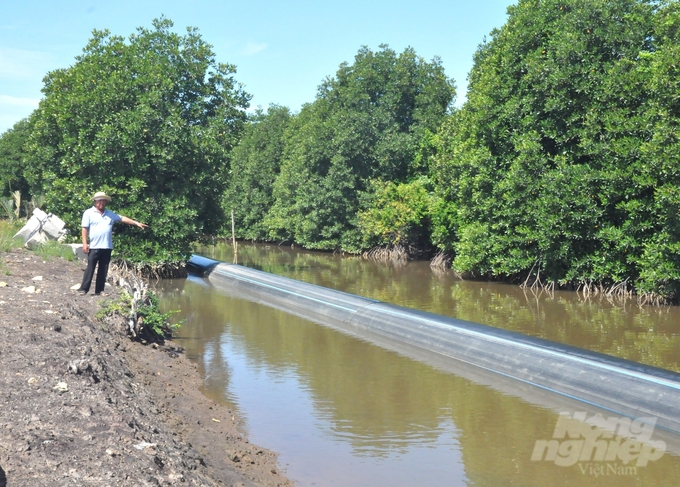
(3, 478)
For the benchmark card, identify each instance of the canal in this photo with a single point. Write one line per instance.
(344, 412)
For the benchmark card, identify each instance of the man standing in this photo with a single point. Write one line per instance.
(98, 223)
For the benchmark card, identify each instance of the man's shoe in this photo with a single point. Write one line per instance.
(82, 293)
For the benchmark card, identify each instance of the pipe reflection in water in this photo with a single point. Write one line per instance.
(344, 412)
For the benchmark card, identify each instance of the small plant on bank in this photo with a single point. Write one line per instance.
(152, 322)
(119, 306)
(153, 319)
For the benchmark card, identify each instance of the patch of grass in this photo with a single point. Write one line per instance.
(54, 249)
(7, 241)
(7, 231)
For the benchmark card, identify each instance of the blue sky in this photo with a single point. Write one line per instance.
(282, 49)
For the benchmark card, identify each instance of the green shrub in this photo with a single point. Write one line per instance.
(119, 306)
(154, 319)
(395, 214)
(156, 324)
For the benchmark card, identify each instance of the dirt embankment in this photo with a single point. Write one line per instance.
(81, 404)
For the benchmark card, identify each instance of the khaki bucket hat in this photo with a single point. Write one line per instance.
(100, 195)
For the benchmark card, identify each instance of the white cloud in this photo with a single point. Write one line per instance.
(253, 48)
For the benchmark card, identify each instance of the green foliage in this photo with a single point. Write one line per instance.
(7, 205)
(151, 121)
(8, 229)
(120, 306)
(648, 200)
(152, 317)
(255, 165)
(564, 158)
(13, 159)
(154, 322)
(367, 123)
(395, 214)
(443, 215)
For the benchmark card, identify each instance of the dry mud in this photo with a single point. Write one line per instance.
(81, 404)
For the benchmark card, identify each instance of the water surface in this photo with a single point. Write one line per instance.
(344, 412)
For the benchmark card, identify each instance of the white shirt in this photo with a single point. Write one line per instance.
(100, 227)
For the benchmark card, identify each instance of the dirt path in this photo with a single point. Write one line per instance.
(81, 404)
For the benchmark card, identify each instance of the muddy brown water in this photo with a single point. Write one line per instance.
(344, 412)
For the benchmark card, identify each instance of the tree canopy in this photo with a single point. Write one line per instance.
(549, 165)
(366, 123)
(150, 120)
(255, 165)
(561, 166)
(13, 159)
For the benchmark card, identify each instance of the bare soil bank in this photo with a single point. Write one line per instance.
(81, 404)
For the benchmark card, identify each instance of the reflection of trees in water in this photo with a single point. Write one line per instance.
(378, 401)
(646, 334)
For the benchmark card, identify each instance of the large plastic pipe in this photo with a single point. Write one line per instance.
(593, 379)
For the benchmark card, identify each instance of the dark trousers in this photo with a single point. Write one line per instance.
(95, 257)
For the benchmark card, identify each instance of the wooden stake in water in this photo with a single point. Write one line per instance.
(233, 235)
